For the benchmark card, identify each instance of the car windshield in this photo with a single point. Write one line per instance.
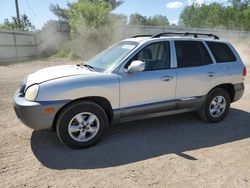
(111, 56)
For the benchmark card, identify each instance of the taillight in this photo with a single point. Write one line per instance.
(244, 72)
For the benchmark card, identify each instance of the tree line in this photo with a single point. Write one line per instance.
(133, 19)
(233, 15)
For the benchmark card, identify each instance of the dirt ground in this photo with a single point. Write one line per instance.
(174, 151)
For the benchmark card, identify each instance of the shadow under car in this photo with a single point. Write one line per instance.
(141, 140)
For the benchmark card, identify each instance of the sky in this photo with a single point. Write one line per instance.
(39, 13)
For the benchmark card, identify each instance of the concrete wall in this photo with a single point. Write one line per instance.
(16, 46)
(131, 30)
(19, 46)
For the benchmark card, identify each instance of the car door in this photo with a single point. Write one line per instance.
(196, 72)
(152, 90)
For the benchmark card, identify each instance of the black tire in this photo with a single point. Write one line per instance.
(65, 117)
(204, 112)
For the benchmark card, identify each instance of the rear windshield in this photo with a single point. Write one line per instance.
(221, 52)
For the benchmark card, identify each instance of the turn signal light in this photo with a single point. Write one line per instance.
(50, 110)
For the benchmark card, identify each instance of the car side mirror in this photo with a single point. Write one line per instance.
(136, 66)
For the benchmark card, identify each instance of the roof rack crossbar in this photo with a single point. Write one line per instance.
(185, 34)
(136, 36)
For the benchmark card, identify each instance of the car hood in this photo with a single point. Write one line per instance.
(56, 72)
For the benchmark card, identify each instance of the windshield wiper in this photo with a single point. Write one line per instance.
(89, 67)
(86, 65)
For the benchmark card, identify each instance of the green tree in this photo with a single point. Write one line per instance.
(92, 25)
(157, 20)
(137, 19)
(24, 24)
(238, 4)
(114, 3)
(93, 14)
(63, 13)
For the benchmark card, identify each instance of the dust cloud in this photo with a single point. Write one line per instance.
(243, 48)
(90, 41)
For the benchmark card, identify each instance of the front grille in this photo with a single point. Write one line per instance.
(22, 87)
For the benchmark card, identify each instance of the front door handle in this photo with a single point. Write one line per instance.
(166, 78)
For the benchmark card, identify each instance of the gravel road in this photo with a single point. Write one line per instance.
(174, 151)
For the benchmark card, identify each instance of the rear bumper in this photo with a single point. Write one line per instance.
(239, 90)
(33, 114)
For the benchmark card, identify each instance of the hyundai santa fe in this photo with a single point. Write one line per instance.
(141, 77)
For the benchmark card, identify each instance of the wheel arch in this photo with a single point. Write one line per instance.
(228, 87)
(101, 101)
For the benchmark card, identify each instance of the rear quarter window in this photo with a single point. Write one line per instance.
(221, 52)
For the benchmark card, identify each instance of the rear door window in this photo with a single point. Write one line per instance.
(191, 54)
(221, 52)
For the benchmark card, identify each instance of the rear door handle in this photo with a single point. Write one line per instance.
(166, 78)
(211, 74)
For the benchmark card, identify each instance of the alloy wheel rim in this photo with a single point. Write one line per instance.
(83, 126)
(217, 106)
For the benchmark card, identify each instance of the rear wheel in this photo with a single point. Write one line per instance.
(216, 106)
(81, 124)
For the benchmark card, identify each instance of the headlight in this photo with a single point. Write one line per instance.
(32, 92)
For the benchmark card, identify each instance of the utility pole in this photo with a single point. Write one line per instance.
(17, 14)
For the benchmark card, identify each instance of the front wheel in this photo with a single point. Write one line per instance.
(81, 124)
(216, 106)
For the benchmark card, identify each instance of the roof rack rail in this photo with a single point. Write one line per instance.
(202, 34)
(136, 36)
(185, 34)
(167, 33)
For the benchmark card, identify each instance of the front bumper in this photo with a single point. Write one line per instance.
(33, 114)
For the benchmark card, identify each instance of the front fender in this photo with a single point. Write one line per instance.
(75, 87)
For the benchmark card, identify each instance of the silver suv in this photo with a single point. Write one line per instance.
(140, 77)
